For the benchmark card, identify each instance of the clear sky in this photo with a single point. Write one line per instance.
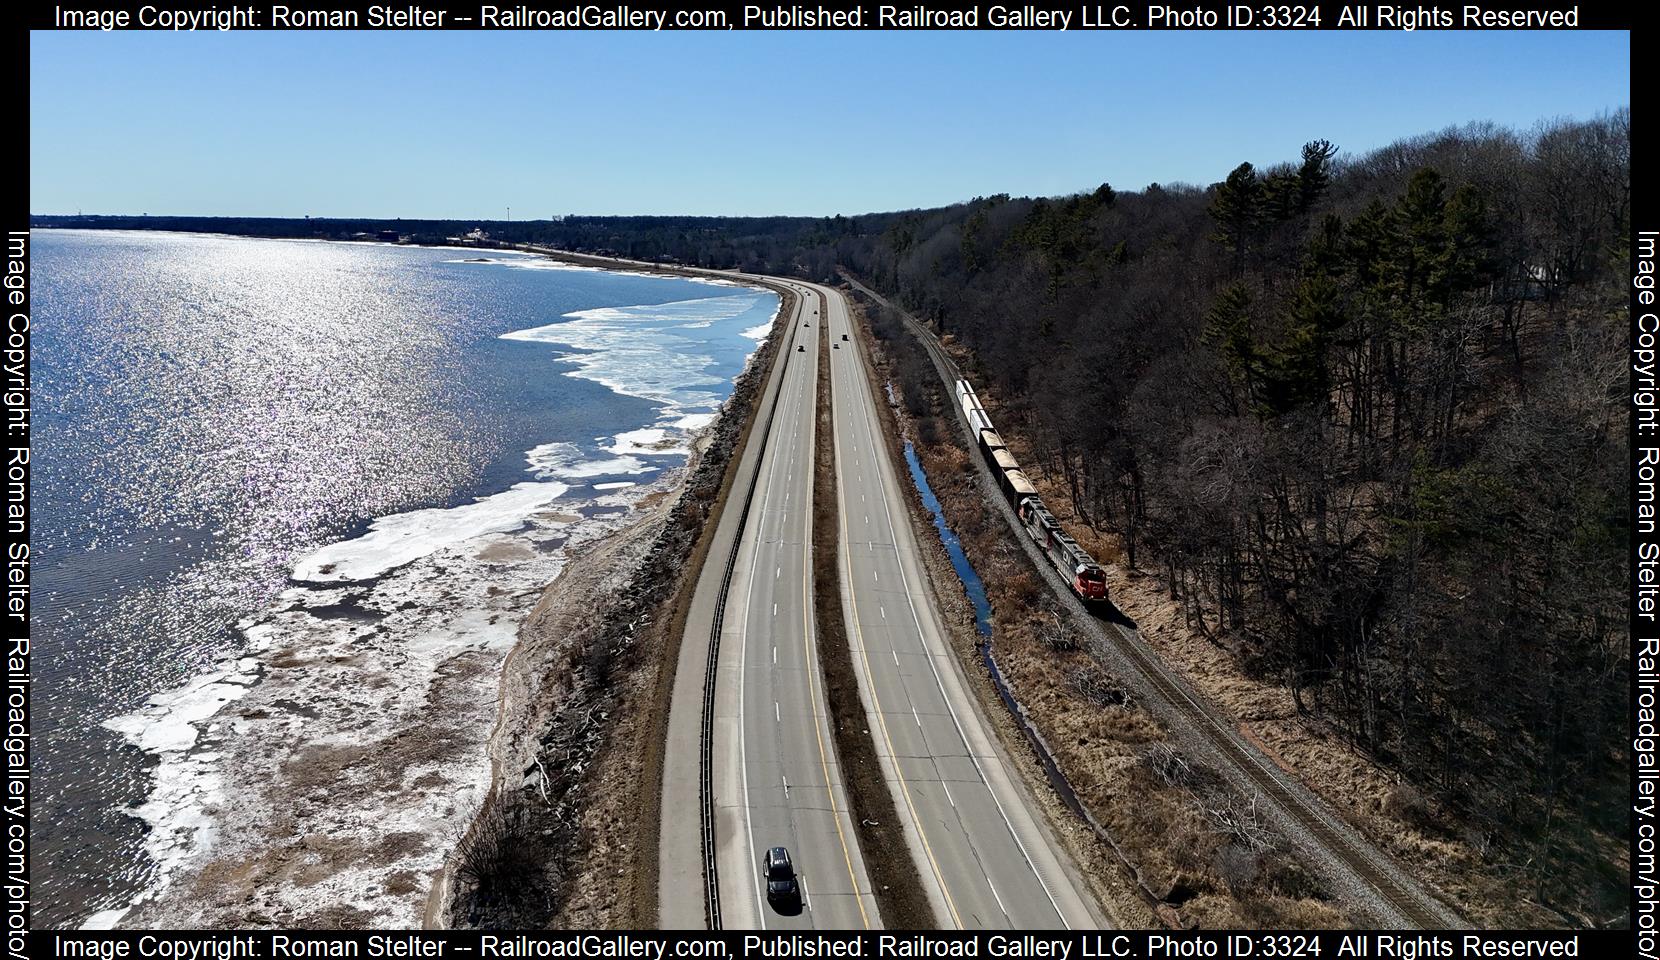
(466, 124)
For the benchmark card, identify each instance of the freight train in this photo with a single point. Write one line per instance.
(1087, 578)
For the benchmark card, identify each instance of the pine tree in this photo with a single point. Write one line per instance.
(1314, 176)
(1421, 244)
(1228, 331)
(1281, 195)
(1298, 374)
(1237, 209)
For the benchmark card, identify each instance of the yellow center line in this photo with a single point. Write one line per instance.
(812, 694)
(881, 719)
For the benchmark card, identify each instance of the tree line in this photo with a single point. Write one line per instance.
(1366, 416)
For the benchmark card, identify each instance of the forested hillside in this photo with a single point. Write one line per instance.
(1367, 416)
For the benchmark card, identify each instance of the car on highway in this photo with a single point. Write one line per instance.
(801, 348)
(782, 886)
(844, 336)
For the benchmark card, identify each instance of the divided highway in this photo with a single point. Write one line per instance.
(985, 860)
(983, 855)
(773, 775)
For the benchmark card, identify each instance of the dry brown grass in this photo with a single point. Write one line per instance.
(1369, 795)
(1189, 857)
(895, 881)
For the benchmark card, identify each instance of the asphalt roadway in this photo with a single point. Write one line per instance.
(778, 783)
(985, 859)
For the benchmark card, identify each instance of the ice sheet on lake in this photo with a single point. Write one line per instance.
(425, 576)
(693, 421)
(568, 461)
(637, 352)
(648, 441)
(401, 538)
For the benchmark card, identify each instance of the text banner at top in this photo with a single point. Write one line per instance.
(428, 15)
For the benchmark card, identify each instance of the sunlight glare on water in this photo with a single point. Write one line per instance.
(211, 410)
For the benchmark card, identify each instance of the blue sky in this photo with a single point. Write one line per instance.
(466, 124)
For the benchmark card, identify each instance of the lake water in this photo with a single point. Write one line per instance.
(225, 428)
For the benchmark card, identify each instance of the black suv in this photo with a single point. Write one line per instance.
(781, 883)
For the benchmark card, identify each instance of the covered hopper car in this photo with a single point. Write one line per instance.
(1074, 563)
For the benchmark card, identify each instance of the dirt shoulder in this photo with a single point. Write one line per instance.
(895, 881)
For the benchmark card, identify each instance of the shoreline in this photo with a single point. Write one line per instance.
(350, 763)
(569, 838)
(350, 813)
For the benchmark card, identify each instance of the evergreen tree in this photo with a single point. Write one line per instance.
(1420, 248)
(1228, 332)
(1281, 197)
(1314, 176)
(1237, 209)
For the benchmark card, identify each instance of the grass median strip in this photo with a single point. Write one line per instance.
(894, 879)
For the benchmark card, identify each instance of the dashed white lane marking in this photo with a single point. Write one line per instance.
(883, 610)
(999, 899)
(775, 655)
(775, 714)
(786, 785)
(776, 572)
(914, 716)
(775, 609)
(875, 574)
(948, 797)
(895, 654)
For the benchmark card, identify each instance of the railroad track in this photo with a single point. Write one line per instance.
(1368, 867)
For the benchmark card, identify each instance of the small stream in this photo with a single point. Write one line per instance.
(953, 546)
(982, 622)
